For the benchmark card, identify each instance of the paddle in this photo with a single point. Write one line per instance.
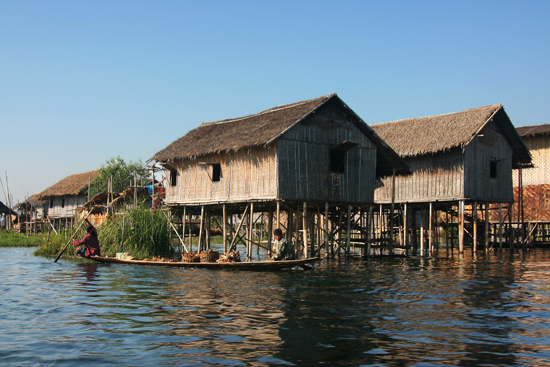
(70, 239)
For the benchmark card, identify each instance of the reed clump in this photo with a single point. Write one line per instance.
(141, 232)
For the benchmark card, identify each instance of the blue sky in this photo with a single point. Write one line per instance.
(84, 81)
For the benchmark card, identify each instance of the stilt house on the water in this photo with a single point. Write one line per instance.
(307, 167)
(531, 209)
(461, 162)
(62, 199)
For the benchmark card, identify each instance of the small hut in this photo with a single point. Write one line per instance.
(457, 159)
(304, 158)
(62, 199)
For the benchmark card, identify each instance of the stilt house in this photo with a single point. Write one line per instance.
(462, 158)
(532, 185)
(307, 156)
(63, 198)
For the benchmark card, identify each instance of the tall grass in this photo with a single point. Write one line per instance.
(16, 239)
(141, 232)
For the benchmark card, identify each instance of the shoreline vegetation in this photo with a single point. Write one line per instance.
(142, 232)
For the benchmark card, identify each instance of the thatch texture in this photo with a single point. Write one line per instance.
(71, 185)
(264, 128)
(528, 131)
(441, 133)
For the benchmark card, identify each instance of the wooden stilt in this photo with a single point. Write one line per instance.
(461, 226)
(224, 228)
(201, 228)
(474, 223)
(486, 227)
(304, 229)
(270, 233)
(326, 231)
(431, 230)
(422, 228)
(348, 232)
(250, 232)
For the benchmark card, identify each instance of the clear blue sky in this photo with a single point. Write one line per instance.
(83, 81)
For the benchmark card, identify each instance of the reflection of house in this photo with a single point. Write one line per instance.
(314, 156)
(63, 198)
(462, 159)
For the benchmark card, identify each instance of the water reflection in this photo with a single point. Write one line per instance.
(460, 310)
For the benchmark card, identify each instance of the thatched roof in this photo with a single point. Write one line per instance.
(529, 131)
(441, 133)
(5, 210)
(262, 129)
(71, 185)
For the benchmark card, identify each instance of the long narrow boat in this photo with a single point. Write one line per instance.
(245, 265)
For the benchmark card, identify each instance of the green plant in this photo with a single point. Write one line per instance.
(141, 232)
(16, 239)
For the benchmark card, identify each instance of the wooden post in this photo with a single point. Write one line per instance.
(422, 228)
(461, 226)
(270, 232)
(224, 229)
(183, 224)
(348, 232)
(326, 236)
(304, 229)
(369, 221)
(199, 249)
(474, 222)
(500, 226)
(405, 227)
(250, 232)
(431, 229)
(207, 231)
(486, 227)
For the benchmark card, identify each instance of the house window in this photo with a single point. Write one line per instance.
(51, 203)
(63, 202)
(216, 172)
(337, 161)
(173, 177)
(493, 168)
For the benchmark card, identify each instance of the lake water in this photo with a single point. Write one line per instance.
(457, 311)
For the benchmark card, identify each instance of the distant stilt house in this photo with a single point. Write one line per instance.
(307, 167)
(31, 214)
(461, 162)
(531, 209)
(63, 198)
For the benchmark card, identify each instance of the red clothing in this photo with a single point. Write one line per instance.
(91, 243)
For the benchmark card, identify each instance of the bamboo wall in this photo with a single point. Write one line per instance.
(539, 147)
(245, 174)
(434, 178)
(65, 209)
(304, 164)
(488, 146)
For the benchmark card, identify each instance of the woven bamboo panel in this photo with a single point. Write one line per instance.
(539, 147)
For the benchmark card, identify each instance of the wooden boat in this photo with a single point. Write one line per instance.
(245, 265)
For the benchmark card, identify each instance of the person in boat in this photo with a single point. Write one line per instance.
(89, 243)
(284, 250)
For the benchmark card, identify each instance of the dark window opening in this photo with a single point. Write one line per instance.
(216, 172)
(173, 177)
(337, 161)
(493, 169)
(62, 203)
(51, 203)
